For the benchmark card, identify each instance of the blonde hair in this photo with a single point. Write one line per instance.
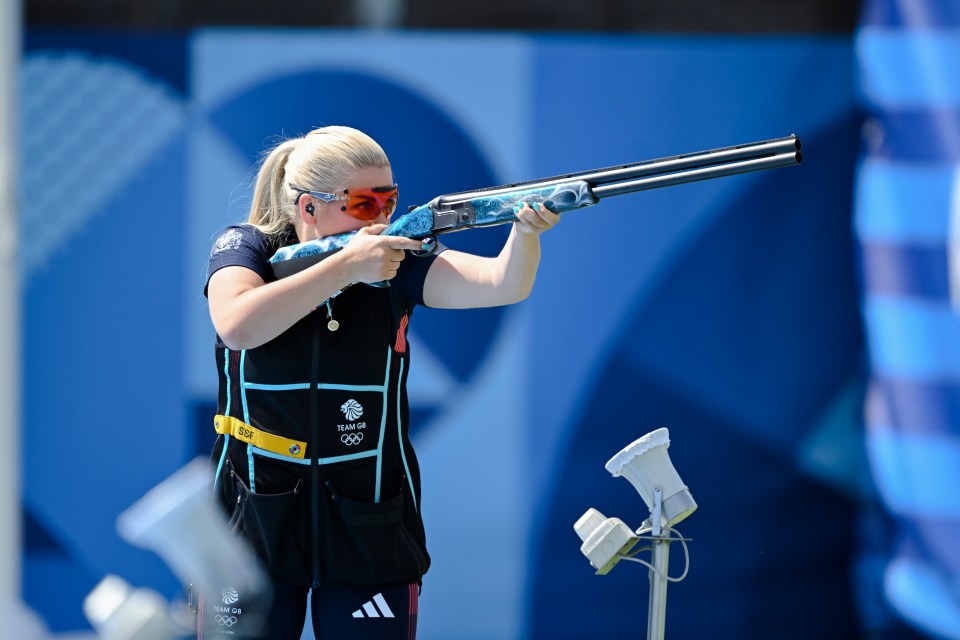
(322, 160)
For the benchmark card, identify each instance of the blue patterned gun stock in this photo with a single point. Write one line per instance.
(438, 217)
(447, 214)
(297, 257)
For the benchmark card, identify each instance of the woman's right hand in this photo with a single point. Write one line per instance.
(370, 257)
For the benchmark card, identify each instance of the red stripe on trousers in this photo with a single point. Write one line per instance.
(401, 345)
(412, 619)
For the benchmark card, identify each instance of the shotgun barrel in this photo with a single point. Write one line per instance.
(665, 172)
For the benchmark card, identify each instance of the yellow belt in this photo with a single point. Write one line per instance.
(267, 441)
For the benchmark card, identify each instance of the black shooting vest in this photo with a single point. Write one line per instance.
(349, 511)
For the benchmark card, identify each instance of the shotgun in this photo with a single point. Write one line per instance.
(495, 205)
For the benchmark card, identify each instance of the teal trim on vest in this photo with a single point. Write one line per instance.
(323, 386)
(359, 387)
(223, 456)
(226, 374)
(320, 461)
(383, 425)
(256, 386)
(226, 438)
(246, 418)
(403, 453)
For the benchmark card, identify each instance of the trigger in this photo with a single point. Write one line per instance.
(429, 247)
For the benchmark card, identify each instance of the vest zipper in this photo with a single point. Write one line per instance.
(315, 454)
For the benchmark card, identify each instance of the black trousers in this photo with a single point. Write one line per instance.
(387, 612)
(276, 523)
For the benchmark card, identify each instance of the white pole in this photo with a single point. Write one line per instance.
(10, 368)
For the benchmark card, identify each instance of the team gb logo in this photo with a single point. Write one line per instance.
(351, 409)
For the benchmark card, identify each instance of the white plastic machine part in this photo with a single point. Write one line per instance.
(179, 520)
(119, 612)
(604, 539)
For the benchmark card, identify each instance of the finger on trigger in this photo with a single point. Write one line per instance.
(410, 244)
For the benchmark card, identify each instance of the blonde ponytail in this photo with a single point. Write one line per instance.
(271, 210)
(323, 160)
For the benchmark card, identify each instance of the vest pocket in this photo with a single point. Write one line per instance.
(367, 543)
(269, 522)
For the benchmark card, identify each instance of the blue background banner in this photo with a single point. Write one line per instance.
(726, 311)
(907, 208)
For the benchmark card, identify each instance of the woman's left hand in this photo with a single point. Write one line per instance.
(535, 219)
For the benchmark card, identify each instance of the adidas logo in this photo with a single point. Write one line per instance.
(370, 609)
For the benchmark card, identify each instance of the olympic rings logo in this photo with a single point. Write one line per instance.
(350, 439)
(225, 621)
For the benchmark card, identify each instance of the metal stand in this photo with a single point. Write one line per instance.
(657, 615)
(660, 538)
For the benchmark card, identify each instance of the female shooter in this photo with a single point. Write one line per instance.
(314, 463)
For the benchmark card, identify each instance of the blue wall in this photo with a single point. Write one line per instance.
(726, 311)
